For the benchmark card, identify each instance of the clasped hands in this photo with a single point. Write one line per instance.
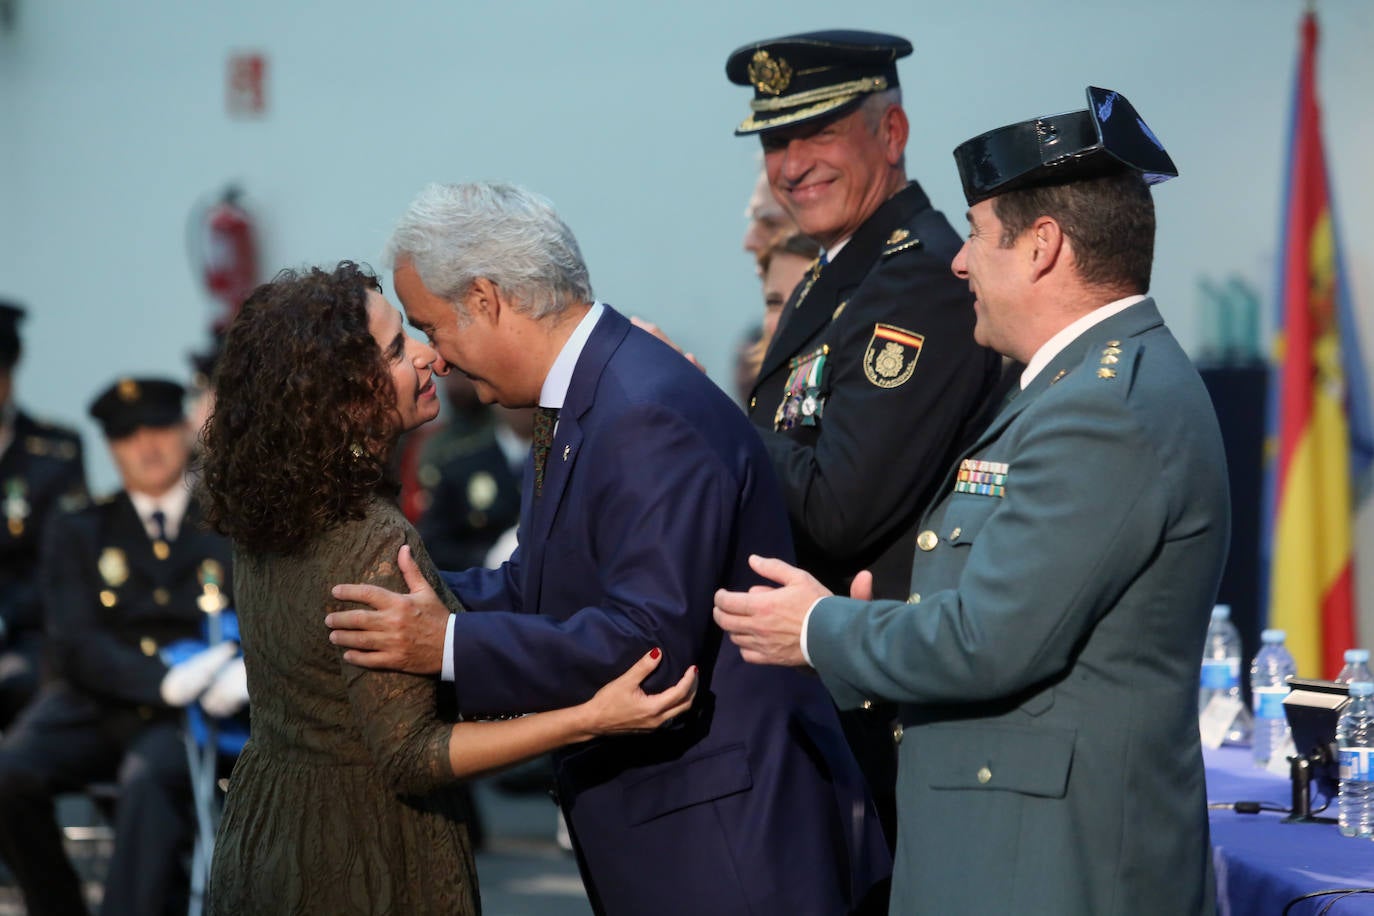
(215, 677)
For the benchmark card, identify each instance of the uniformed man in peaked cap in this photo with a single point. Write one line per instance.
(121, 580)
(873, 375)
(40, 471)
(1048, 667)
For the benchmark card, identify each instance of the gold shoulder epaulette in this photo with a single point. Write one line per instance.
(900, 240)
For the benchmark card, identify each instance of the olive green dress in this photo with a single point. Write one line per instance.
(338, 803)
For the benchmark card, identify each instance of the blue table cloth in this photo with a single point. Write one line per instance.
(1263, 863)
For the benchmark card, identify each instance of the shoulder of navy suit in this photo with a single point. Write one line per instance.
(607, 335)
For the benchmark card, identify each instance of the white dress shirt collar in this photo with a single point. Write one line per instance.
(1056, 344)
(173, 504)
(555, 390)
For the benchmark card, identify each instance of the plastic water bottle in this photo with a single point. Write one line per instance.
(1269, 674)
(1355, 742)
(1356, 667)
(1221, 654)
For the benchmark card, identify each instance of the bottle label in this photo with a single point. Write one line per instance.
(1269, 702)
(1220, 673)
(1356, 764)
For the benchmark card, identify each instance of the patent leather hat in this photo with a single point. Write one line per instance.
(1110, 136)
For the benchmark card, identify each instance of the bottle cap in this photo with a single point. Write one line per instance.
(1355, 656)
(1221, 612)
(1360, 688)
(1273, 637)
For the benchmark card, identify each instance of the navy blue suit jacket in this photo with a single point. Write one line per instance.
(656, 492)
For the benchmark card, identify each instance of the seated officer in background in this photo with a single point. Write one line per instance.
(473, 487)
(120, 579)
(40, 470)
(1047, 660)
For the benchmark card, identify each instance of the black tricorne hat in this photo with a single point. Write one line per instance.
(799, 78)
(132, 403)
(1108, 137)
(10, 316)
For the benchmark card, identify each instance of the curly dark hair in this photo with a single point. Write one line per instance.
(305, 412)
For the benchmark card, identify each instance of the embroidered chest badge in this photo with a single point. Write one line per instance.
(802, 403)
(982, 478)
(891, 355)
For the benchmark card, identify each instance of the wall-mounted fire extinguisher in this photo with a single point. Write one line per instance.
(224, 250)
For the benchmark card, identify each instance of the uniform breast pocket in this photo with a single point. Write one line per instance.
(965, 518)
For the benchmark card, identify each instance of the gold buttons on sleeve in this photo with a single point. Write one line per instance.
(927, 540)
(867, 704)
(984, 775)
(148, 646)
(914, 598)
(954, 535)
(897, 733)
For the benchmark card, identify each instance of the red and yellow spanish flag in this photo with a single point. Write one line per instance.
(1319, 407)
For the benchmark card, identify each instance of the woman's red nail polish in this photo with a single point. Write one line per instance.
(654, 653)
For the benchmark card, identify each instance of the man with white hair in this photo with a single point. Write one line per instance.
(647, 489)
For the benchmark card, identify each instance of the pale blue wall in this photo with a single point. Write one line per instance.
(113, 125)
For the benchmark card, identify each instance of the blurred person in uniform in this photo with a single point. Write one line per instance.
(873, 375)
(121, 579)
(472, 486)
(41, 471)
(1047, 660)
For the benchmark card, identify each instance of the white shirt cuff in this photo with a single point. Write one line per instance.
(446, 672)
(806, 622)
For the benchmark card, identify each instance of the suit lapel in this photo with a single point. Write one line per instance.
(801, 321)
(605, 338)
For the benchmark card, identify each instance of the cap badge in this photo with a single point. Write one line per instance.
(128, 390)
(769, 74)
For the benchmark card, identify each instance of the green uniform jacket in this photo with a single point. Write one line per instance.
(1047, 661)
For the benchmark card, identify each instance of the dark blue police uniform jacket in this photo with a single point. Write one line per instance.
(656, 491)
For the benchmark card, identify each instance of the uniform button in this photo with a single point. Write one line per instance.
(1113, 343)
(107, 598)
(927, 540)
(914, 599)
(954, 535)
(752, 402)
(161, 596)
(867, 704)
(148, 645)
(161, 550)
(984, 775)
(897, 733)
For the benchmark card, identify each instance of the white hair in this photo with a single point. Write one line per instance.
(453, 234)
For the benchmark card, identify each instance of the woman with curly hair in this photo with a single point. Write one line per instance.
(338, 803)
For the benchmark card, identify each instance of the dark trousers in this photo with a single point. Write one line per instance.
(20, 668)
(64, 741)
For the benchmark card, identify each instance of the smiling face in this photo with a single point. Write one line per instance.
(832, 175)
(996, 276)
(410, 362)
